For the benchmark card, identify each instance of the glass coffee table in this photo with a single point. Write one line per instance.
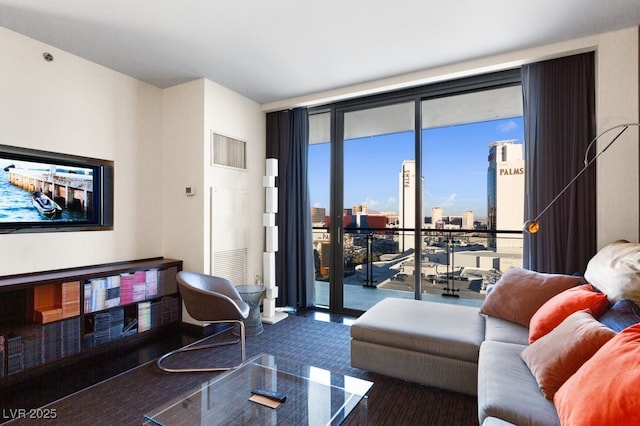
(314, 397)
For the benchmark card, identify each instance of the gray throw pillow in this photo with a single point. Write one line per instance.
(621, 315)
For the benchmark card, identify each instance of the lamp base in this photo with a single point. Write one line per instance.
(276, 317)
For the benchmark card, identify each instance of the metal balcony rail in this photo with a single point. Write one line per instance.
(452, 262)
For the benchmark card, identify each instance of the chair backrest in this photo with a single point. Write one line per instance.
(210, 298)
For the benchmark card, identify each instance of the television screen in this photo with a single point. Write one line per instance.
(42, 191)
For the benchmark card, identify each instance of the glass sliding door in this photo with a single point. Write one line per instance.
(417, 194)
(377, 205)
(473, 165)
(320, 199)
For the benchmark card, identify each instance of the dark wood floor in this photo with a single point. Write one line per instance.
(48, 387)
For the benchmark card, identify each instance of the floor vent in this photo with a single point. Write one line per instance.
(232, 265)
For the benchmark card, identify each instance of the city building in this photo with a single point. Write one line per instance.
(360, 208)
(467, 220)
(392, 218)
(505, 195)
(317, 216)
(436, 215)
(407, 203)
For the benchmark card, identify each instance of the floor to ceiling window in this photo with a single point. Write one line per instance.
(378, 206)
(409, 191)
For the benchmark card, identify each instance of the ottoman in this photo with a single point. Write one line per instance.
(431, 343)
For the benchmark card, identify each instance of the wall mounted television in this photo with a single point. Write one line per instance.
(44, 191)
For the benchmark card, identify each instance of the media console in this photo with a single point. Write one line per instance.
(53, 318)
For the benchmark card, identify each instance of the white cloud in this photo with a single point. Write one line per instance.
(370, 203)
(507, 126)
(450, 201)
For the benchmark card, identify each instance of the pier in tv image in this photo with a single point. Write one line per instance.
(34, 191)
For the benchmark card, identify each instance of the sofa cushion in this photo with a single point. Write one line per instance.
(519, 293)
(507, 389)
(560, 306)
(556, 356)
(493, 421)
(621, 315)
(605, 391)
(615, 271)
(501, 330)
(442, 329)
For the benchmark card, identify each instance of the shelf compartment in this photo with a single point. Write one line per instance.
(54, 302)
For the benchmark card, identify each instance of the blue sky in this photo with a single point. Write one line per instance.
(454, 167)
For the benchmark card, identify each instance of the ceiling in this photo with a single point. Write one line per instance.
(271, 50)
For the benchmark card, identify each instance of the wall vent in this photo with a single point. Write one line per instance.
(228, 152)
(232, 265)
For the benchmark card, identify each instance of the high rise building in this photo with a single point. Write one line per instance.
(505, 194)
(392, 218)
(436, 215)
(317, 216)
(407, 204)
(467, 220)
(360, 208)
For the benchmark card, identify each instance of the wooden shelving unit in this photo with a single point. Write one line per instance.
(54, 318)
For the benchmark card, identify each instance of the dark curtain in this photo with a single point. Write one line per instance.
(559, 117)
(287, 140)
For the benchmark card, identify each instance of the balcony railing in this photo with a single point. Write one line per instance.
(456, 265)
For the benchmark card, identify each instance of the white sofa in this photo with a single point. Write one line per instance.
(478, 351)
(452, 347)
(435, 344)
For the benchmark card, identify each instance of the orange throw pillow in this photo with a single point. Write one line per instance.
(605, 390)
(556, 356)
(559, 307)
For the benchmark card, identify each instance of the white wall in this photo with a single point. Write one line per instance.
(616, 103)
(192, 111)
(183, 216)
(159, 141)
(230, 114)
(73, 106)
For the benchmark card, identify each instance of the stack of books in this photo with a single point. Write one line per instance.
(2, 352)
(116, 323)
(70, 336)
(32, 344)
(51, 341)
(165, 310)
(176, 308)
(113, 291)
(101, 328)
(95, 294)
(126, 288)
(152, 283)
(139, 286)
(156, 314)
(169, 309)
(144, 316)
(15, 355)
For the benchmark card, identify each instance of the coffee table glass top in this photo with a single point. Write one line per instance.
(314, 397)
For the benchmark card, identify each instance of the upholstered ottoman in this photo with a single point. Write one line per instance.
(431, 343)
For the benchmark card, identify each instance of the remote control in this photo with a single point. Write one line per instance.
(274, 395)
